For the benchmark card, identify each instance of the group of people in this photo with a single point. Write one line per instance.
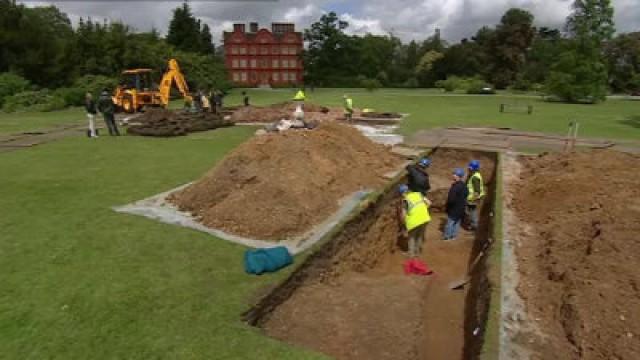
(105, 106)
(463, 200)
(205, 101)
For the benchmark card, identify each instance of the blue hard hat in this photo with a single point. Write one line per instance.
(403, 189)
(458, 172)
(424, 162)
(474, 165)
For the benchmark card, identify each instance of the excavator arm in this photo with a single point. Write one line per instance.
(172, 75)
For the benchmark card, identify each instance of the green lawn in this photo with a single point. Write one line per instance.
(80, 281)
(30, 121)
(617, 119)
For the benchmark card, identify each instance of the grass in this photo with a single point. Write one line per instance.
(30, 121)
(428, 108)
(615, 118)
(80, 281)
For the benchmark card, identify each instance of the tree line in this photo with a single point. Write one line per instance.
(581, 62)
(40, 50)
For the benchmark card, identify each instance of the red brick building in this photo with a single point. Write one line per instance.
(260, 57)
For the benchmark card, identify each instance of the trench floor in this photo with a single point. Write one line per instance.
(382, 313)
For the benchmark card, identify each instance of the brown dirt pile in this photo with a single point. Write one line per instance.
(277, 112)
(580, 258)
(163, 123)
(278, 186)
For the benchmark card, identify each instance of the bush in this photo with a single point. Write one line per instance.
(411, 83)
(72, 96)
(449, 84)
(479, 87)
(41, 100)
(11, 84)
(371, 84)
(94, 84)
(575, 78)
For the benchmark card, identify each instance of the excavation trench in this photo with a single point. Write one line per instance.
(350, 298)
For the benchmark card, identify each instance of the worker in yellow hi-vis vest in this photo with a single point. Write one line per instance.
(415, 214)
(348, 107)
(475, 186)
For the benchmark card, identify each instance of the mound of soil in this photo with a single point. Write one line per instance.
(280, 111)
(164, 123)
(579, 257)
(278, 186)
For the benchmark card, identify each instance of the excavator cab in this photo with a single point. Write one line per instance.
(136, 79)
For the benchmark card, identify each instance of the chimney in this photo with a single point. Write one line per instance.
(253, 27)
(238, 28)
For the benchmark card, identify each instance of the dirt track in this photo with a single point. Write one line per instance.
(579, 260)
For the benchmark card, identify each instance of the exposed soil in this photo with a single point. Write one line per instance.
(277, 112)
(579, 260)
(351, 299)
(164, 123)
(278, 186)
(380, 115)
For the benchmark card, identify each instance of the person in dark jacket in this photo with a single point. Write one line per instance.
(418, 177)
(245, 98)
(108, 109)
(90, 107)
(456, 205)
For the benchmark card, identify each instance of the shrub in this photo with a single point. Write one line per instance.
(478, 86)
(94, 84)
(411, 83)
(72, 96)
(449, 84)
(371, 84)
(576, 78)
(41, 100)
(11, 84)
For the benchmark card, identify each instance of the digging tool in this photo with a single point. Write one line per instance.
(459, 284)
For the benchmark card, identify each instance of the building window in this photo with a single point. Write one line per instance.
(243, 76)
(284, 76)
(234, 49)
(285, 50)
(292, 76)
(293, 51)
(264, 50)
(275, 50)
(285, 63)
(252, 50)
(236, 77)
(254, 76)
(274, 63)
(243, 63)
(234, 64)
(243, 50)
(276, 76)
(254, 63)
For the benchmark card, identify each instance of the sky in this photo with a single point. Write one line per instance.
(407, 19)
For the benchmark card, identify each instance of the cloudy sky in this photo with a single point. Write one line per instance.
(407, 19)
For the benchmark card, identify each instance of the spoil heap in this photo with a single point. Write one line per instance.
(162, 122)
(579, 260)
(279, 186)
(277, 112)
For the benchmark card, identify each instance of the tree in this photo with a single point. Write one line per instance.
(623, 62)
(580, 74)
(206, 41)
(545, 49)
(330, 51)
(185, 31)
(424, 69)
(509, 45)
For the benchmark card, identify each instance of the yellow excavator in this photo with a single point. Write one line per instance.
(136, 90)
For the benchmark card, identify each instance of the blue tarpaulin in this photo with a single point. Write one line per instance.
(266, 260)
